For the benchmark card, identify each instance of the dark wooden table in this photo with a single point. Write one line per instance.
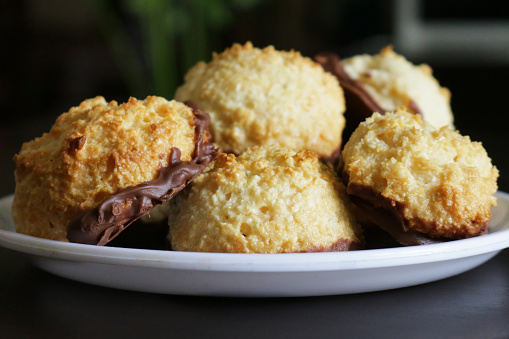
(36, 304)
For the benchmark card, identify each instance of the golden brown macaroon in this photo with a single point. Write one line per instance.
(385, 82)
(92, 152)
(431, 182)
(268, 200)
(258, 97)
(395, 82)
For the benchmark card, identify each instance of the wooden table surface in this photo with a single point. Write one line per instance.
(36, 304)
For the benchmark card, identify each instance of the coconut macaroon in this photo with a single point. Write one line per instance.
(386, 82)
(103, 165)
(258, 97)
(419, 183)
(394, 82)
(268, 200)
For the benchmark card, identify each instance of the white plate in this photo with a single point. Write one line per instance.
(259, 275)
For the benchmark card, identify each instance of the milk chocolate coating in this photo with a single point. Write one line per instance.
(103, 223)
(359, 103)
(388, 215)
(385, 213)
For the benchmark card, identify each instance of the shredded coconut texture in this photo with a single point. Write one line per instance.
(265, 201)
(258, 97)
(90, 153)
(444, 180)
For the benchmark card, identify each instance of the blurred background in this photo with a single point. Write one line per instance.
(56, 53)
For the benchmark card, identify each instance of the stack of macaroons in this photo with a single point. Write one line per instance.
(281, 183)
(266, 107)
(384, 83)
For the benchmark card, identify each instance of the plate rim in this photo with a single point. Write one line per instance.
(285, 262)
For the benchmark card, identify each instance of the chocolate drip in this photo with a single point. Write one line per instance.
(389, 215)
(354, 90)
(386, 214)
(103, 223)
